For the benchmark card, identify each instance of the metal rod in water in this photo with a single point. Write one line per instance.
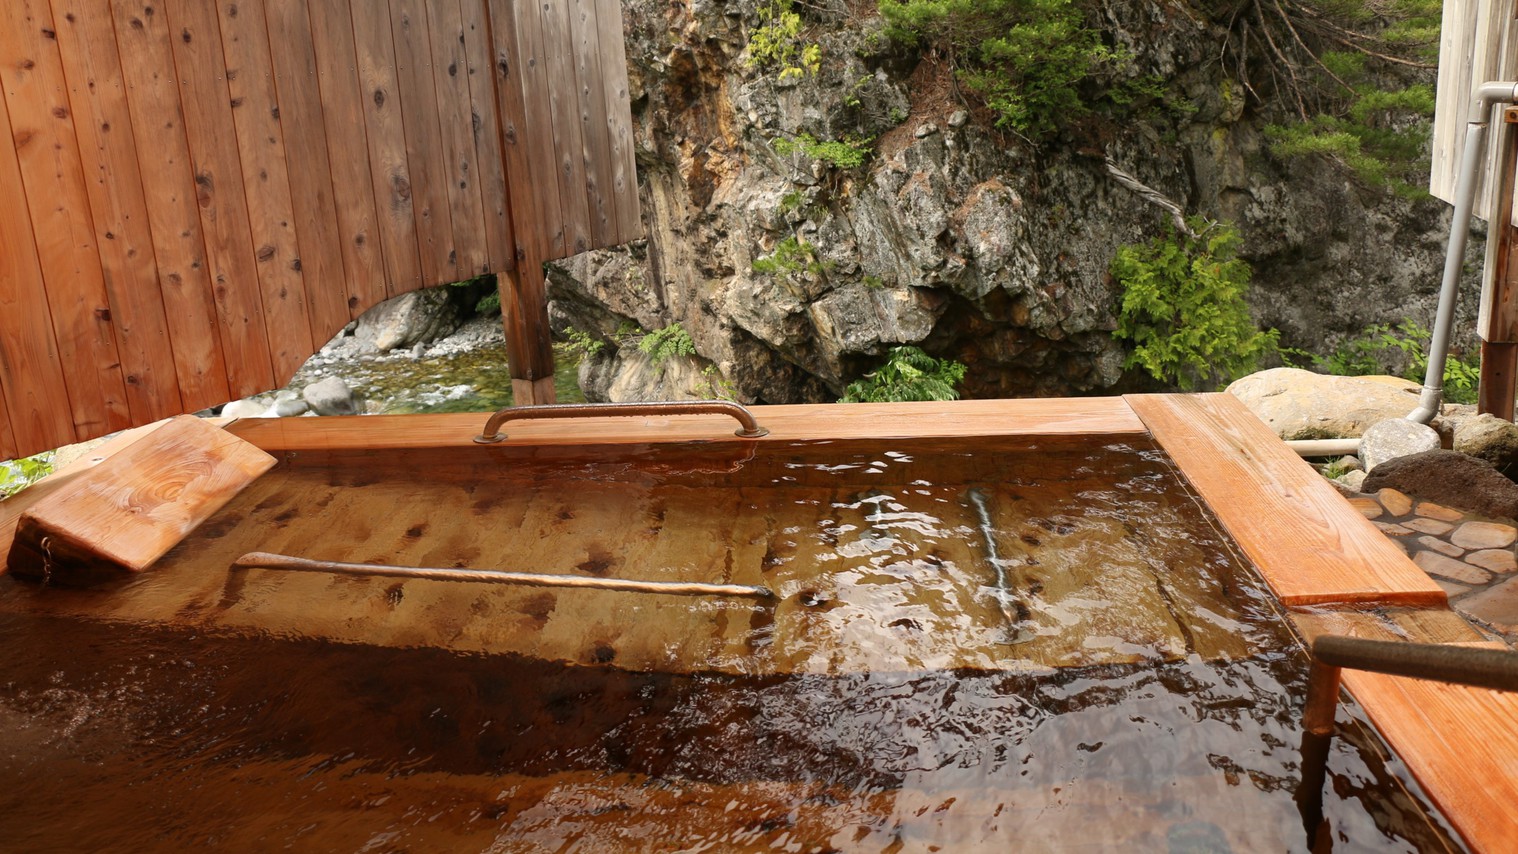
(1461, 665)
(265, 560)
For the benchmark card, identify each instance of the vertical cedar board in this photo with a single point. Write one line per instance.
(1310, 545)
(487, 136)
(425, 154)
(97, 97)
(347, 151)
(568, 143)
(624, 171)
(529, 231)
(317, 233)
(47, 149)
(594, 127)
(260, 139)
(135, 506)
(460, 165)
(385, 127)
(179, 245)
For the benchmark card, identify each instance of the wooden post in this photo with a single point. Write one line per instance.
(1498, 325)
(524, 312)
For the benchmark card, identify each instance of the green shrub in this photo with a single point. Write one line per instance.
(777, 43)
(1385, 348)
(792, 255)
(578, 345)
(663, 344)
(850, 154)
(908, 374)
(1183, 308)
(16, 475)
(1029, 59)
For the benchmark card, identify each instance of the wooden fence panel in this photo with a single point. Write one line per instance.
(487, 137)
(219, 188)
(450, 77)
(179, 245)
(266, 183)
(201, 193)
(47, 148)
(425, 152)
(386, 136)
(97, 97)
(342, 103)
(297, 88)
(31, 376)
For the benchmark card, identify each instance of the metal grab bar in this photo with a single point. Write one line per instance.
(750, 428)
(265, 560)
(1460, 665)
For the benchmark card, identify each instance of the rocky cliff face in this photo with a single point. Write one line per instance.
(966, 241)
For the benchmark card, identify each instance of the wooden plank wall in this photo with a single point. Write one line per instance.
(1476, 45)
(198, 194)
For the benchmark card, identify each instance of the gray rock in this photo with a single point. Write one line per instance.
(331, 396)
(1353, 481)
(246, 408)
(289, 405)
(1300, 404)
(959, 119)
(1393, 438)
(418, 317)
(1489, 438)
(1351, 462)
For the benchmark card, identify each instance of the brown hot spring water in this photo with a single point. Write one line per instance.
(1035, 646)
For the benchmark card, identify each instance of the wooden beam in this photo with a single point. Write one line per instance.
(1498, 321)
(1308, 543)
(1499, 371)
(524, 313)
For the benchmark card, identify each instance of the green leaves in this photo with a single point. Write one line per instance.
(843, 154)
(16, 475)
(663, 344)
(1183, 308)
(777, 43)
(908, 374)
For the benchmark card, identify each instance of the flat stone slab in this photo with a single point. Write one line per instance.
(1396, 503)
(1392, 529)
(1431, 510)
(1429, 526)
(1435, 544)
(1497, 606)
(1453, 588)
(1368, 507)
(1493, 560)
(1484, 535)
(1437, 564)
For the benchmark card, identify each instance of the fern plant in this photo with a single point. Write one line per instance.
(777, 43)
(1183, 308)
(908, 374)
(661, 345)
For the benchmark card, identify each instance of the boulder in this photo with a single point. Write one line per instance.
(1489, 438)
(1300, 404)
(1449, 478)
(419, 317)
(1393, 438)
(330, 396)
(288, 405)
(246, 408)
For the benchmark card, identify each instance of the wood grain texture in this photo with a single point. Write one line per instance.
(348, 152)
(619, 127)
(460, 165)
(426, 154)
(529, 229)
(594, 116)
(385, 127)
(266, 184)
(485, 116)
(179, 245)
(318, 232)
(30, 374)
(108, 153)
(558, 51)
(1043, 417)
(201, 71)
(1458, 742)
(47, 149)
(549, 212)
(1311, 546)
(138, 503)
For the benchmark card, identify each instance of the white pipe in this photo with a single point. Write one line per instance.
(1486, 96)
(1324, 447)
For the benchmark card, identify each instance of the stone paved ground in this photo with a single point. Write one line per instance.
(1471, 557)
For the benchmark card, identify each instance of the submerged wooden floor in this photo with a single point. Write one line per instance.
(1329, 566)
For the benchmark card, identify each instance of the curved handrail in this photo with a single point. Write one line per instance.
(749, 428)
